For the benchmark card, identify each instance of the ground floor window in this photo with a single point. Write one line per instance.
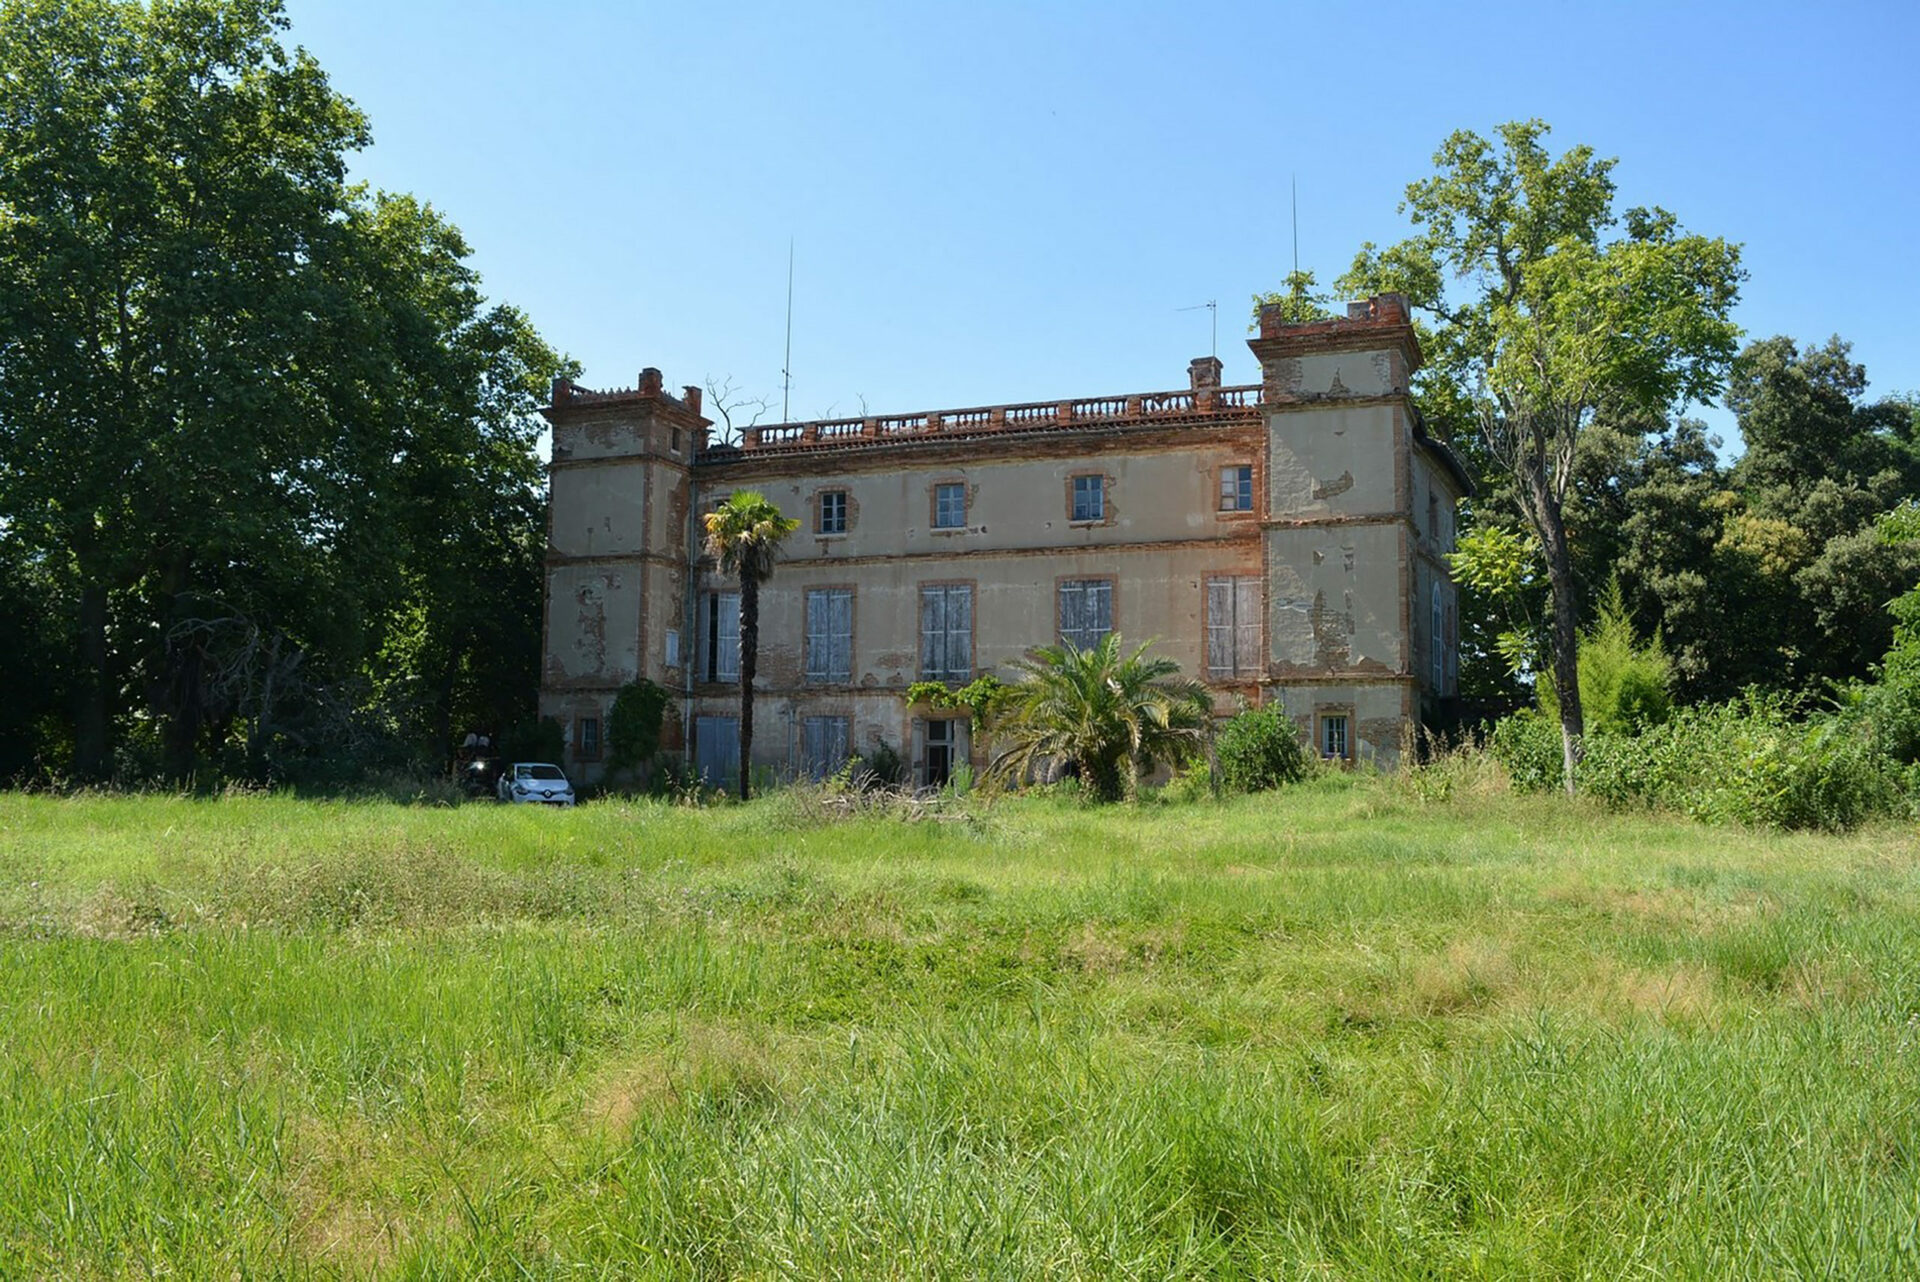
(1334, 743)
(717, 750)
(943, 749)
(824, 745)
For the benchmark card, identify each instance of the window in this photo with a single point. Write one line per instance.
(1089, 498)
(1433, 516)
(675, 447)
(823, 745)
(1333, 735)
(589, 738)
(721, 633)
(1438, 642)
(946, 632)
(830, 516)
(1233, 627)
(673, 647)
(830, 634)
(1086, 611)
(941, 742)
(1236, 488)
(950, 506)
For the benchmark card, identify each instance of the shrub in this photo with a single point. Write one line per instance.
(1752, 762)
(880, 767)
(1260, 749)
(1528, 745)
(1623, 683)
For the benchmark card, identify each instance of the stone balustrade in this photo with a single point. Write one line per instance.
(1205, 403)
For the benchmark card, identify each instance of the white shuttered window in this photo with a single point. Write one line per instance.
(1233, 627)
(1086, 611)
(946, 632)
(830, 634)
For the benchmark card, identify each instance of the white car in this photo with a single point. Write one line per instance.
(535, 783)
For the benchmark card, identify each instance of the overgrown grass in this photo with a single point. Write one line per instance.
(1358, 1028)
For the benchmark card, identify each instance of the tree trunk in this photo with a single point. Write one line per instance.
(90, 711)
(749, 652)
(1566, 632)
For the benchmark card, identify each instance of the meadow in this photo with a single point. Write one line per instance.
(1349, 1030)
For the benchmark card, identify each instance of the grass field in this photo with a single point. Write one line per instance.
(1340, 1032)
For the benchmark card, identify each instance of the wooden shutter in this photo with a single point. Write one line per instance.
(932, 633)
(1220, 638)
(817, 644)
(959, 633)
(1246, 626)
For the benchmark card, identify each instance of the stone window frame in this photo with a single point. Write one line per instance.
(1258, 667)
(1322, 712)
(1106, 480)
(817, 502)
(1253, 490)
(1113, 601)
(933, 504)
(853, 635)
(973, 624)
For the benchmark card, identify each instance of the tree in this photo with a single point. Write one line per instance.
(256, 424)
(745, 534)
(1552, 327)
(1114, 716)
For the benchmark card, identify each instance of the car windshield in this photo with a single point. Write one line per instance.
(541, 772)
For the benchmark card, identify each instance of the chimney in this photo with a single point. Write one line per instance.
(1204, 372)
(650, 381)
(562, 391)
(692, 397)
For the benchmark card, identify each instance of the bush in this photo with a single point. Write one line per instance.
(1751, 763)
(1260, 749)
(1528, 745)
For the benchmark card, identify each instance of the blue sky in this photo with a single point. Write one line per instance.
(997, 202)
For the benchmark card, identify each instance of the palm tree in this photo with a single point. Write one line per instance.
(744, 533)
(1113, 715)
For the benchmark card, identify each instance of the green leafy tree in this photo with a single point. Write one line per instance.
(1300, 301)
(256, 425)
(1623, 680)
(1555, 317)
(744, 534)
(1114, 716)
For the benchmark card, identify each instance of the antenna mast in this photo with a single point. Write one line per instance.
(786, 369)
(1296, 225)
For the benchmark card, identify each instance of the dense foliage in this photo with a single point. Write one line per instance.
(1258, 749)
(1111, 715)
(634, 723)
(269, 495)
(1553, 320)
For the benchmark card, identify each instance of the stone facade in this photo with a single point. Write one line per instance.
(1282, 541)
